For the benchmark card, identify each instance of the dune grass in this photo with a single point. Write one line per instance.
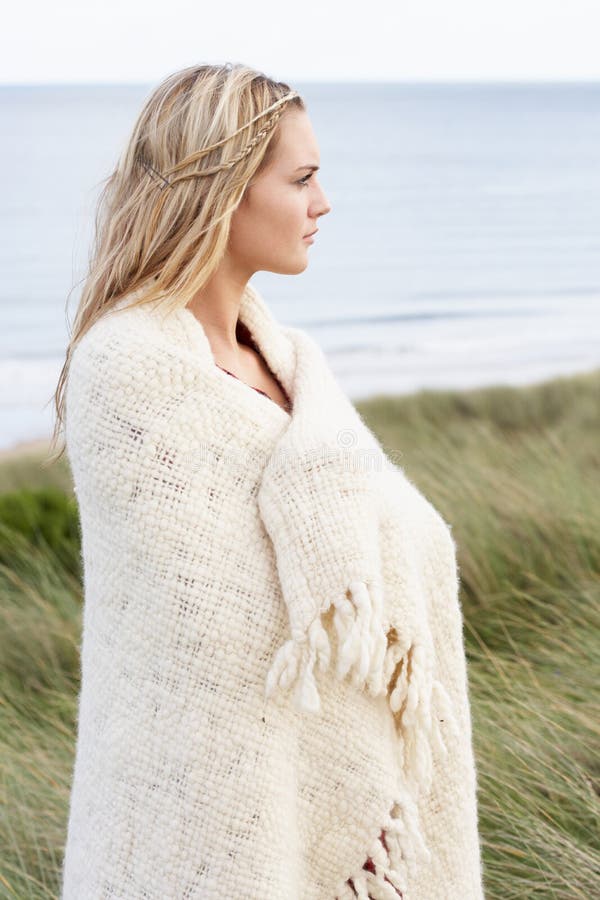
(515, 471)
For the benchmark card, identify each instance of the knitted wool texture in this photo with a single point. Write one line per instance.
(272, 661)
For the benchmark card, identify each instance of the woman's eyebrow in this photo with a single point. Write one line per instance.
(313, 168)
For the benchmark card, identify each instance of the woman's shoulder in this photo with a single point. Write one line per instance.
(130, 343)
(119, 328)
(125, 383)
(126, 369)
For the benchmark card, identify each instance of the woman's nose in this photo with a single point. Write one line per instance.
(324, 206)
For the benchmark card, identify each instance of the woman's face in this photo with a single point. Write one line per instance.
(281, 205)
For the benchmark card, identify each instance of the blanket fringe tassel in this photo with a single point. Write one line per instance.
(361, 649)
(379, 662)
(393, 861)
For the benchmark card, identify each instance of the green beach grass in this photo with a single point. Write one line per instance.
(516, 473)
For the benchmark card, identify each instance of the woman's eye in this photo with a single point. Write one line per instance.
(306, 177)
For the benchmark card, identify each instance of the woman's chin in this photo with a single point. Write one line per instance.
(291, 267)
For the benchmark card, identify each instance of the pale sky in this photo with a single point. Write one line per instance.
(307, 40)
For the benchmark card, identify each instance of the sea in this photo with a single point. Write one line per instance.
(462, 248)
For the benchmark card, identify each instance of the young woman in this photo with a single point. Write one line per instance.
(274, 698)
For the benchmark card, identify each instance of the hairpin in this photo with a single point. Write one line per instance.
(152, 171)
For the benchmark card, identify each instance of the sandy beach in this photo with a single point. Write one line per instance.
(25, 448)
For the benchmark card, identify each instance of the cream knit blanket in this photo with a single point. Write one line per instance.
(272, 660)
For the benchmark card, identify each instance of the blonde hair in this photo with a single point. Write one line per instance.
(164, 214)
